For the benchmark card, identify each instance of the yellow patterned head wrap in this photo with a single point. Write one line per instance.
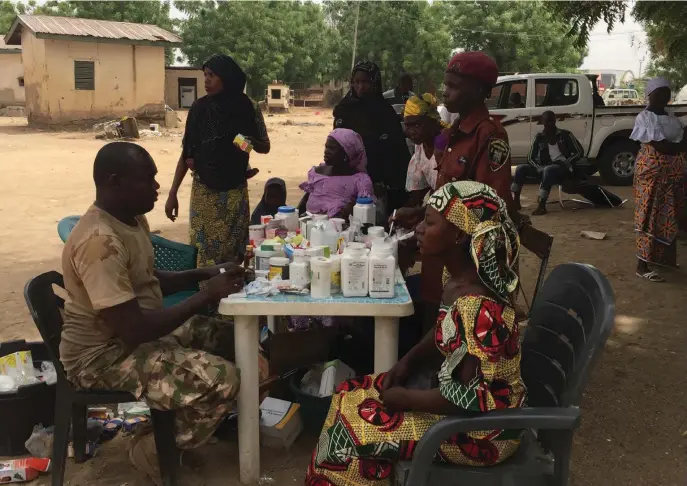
(425, 105)
(475, 209)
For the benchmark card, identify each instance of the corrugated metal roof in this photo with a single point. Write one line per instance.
(98, 29)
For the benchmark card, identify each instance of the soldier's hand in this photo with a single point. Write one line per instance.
(224, 285)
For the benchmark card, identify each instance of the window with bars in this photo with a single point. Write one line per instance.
(84, 75)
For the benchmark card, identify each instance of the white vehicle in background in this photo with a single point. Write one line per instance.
(681, 97)
(621, 97)
(603, 131)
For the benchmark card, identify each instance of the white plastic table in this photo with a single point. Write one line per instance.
(246, 333)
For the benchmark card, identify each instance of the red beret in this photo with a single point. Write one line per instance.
(475, 64)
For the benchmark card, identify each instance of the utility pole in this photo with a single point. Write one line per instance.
(355, 34)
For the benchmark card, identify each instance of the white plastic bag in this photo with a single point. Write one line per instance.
(7, 384)
(48, 373)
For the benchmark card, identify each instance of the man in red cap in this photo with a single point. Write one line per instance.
(474, 148)
(477, 146)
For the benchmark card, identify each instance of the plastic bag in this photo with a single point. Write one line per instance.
(7, 384)
(260, 286)
(48, 373)
(40, 442)
(132, 409)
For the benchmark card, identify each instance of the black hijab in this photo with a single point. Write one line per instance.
(377, 123)
(261, 209)
(213, 123)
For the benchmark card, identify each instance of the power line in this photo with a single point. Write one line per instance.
(523, 34)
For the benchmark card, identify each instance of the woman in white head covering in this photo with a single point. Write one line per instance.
(658, 182)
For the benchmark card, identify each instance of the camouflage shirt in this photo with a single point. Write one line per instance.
(105, 263)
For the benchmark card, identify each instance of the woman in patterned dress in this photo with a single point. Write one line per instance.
(658, 181)
(219, 194)
(379, 419)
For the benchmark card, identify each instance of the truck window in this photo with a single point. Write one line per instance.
(556, 92)
(511, 94)
(493, 100)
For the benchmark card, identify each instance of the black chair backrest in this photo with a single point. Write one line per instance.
(45, 307)
(569, 325)
(540, 244)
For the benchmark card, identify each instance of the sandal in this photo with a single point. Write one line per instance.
(651, 276)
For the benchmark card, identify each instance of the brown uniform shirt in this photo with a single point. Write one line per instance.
(477, 150)
(105, 263)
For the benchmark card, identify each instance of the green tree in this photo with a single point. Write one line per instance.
(520, 36)
(288, 41)
(398, 36)
(665, 24)
(8, 12)
(582, 16)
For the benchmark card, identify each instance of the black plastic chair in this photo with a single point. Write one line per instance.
(538, 243)
(71, 403)
(570, 322)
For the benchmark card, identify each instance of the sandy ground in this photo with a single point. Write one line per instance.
(634, 424)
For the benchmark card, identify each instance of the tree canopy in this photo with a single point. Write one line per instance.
(666, 29)
(270, 40)
(419, 37)
(520, 36)
(398, 36)
(303, 41)
(665, 24)
(582, 16)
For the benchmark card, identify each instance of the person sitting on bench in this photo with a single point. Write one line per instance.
(551, 160)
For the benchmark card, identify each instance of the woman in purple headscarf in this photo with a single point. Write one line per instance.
(333, 186)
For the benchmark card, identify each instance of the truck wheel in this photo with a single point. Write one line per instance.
(617, 163)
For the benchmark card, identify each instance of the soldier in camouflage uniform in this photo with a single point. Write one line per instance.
(118, 336)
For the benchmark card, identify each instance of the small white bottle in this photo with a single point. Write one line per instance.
(376, 232)
(354, 272)
(299, 269)
(290, 217)
(382, 274)
(321, 278)
(364, 210)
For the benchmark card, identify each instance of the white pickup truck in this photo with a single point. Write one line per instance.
(519, 101)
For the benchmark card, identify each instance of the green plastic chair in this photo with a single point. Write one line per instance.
(169, 255)
(174, 257)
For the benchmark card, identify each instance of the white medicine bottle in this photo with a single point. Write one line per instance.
(299, 269)
(382, 272)
(354, 272)
(364, 210)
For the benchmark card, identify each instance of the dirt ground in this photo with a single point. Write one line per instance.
(634, 424)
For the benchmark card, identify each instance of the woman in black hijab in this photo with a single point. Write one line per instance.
(365, 111)
(219, 194)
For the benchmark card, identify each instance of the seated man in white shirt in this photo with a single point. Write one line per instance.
(551, 160)
(422, 126)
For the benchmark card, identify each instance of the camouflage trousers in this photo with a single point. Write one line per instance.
(190, 371)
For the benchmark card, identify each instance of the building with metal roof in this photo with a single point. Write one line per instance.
(78, 70)
(11, 76)
(64, 28)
